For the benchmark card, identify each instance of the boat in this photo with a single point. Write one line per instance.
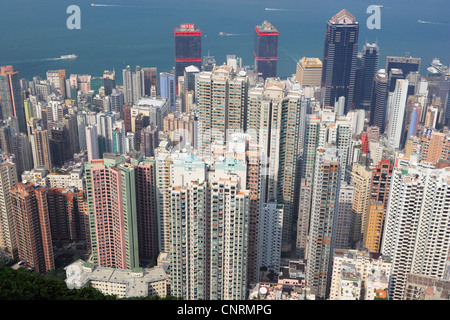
(420, 21)
(69, 56)
(223, 34)
(92, 4)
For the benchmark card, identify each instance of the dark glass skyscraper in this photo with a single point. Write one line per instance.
(188, 48)
(379, 100)
(339, 59)
(403, 66)
(266, 50)
(369, 68)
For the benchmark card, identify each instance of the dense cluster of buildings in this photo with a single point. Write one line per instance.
(333, 183)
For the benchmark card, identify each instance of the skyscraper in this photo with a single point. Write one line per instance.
(111, 199)
(406, 64)
(266, 50)
(378, 107)
(370, 53)
(8, 180)
(11, 100)
(416, 234)
(32, 223)
(397, 105)
(167, 83)
(339, 59)
(324, 209)
(188, 48)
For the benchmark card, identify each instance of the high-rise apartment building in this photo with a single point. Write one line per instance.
(188, 48)
(8, 180)
(40, 145)
(416, 234)
(32, 226)
(221, 106)
(339, 59)
(146, 207)
(111, 199)
(324, 209)
(266, 50)
(92, 142)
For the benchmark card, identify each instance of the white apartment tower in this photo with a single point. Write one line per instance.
(417, 224)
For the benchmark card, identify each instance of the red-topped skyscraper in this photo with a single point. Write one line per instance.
(266, 50)
(188, 48)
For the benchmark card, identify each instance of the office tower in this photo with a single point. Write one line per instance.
(266, 50)
(309, 72)
(324, 206)
(188, 49)
(146, 208)
(344, 217)
(361, 179)
(60, 147)
(221, 106)
(109, 81)
(378, 108)
(92, 142)
(209, 62)
(339, 59)
(21, 148)
(416, 234)
(443, 92)
(403, 65)
(34, 240)
(111, 199)
(149, 80)
(148, 141)
(11, 100)
(168, 89)
(370, 53)
(40, 145)
(397, 105)
(8, 180)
